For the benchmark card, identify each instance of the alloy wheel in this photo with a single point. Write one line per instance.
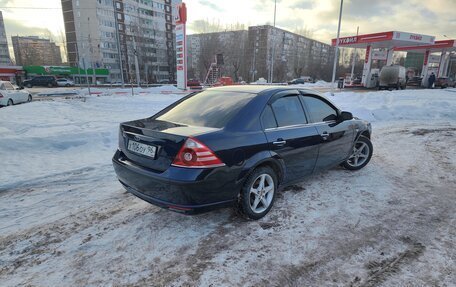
(360, 154)
(261, 193)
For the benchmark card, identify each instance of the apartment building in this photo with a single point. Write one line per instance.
(294, 55)
(118, 34)
(5, 58)
(35, 51)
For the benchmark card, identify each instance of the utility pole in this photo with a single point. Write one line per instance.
(337, 48)
(135, 51)
(271, 77)
(119, 50)
(92, 60)
(254, 61)
(86, 74)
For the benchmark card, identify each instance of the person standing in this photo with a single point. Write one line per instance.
(431, 80)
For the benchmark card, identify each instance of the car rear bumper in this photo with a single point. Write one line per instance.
(188, 191)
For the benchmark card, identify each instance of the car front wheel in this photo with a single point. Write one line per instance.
(29, 99)
(361, 155)
(10, 102)
(258, 193)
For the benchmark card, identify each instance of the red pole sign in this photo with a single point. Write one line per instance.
(181, 46)
(426, 56)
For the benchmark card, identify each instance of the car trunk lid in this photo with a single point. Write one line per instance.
(154, 144)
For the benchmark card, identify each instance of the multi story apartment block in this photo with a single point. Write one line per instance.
(294, 55)
(115, 33)
(5, 58)
(34, 51)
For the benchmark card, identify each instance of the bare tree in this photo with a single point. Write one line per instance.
(204, 26)
(303, 31)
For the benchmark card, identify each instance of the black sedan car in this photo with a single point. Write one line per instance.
(236, 145)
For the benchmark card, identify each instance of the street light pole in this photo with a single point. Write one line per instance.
(271, 76)
(337, 48)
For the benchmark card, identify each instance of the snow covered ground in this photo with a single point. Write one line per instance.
(66, 221)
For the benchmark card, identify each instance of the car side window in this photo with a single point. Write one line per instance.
(267, 119)
(2, 87)
(288, 111)
(319, 110)
(8, 86)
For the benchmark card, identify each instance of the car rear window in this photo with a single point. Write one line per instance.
(207, 109)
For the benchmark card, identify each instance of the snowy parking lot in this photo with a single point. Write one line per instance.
(66, 221)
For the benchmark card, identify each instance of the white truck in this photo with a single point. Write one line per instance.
(392, 77)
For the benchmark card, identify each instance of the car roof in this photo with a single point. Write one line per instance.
(256, 89)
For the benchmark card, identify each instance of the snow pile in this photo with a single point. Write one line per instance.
(386, 106)
(48, 137)
(165, 89)
(317, 84)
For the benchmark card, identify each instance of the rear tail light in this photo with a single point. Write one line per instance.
(195, 154)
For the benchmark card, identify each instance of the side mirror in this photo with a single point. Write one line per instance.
(345, 116)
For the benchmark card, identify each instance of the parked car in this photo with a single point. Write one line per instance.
(392, 77)
(9, 95)
(445, 82)
(415, 81)
(236, 145)
(62, 82)
(194, 84)
(41, 81)
(301, 80)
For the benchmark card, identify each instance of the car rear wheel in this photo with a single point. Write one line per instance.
(29, 98)
(258, 193)
(29, 86)
(10, 102)
(361, 155)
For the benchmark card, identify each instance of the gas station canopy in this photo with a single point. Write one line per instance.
(438, 46)
(381, 46)
(386, 40)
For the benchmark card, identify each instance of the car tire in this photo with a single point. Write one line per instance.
(29, 86)
(363, 150)
(29, 99)
(50, 85)
(256, 199)
(67, 85)
(10, 102)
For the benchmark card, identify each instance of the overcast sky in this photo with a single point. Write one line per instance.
(433, 17)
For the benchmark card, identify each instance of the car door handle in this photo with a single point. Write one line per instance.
(280, 142)
(325, 135)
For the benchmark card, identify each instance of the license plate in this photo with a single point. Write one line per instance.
(144, 149)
